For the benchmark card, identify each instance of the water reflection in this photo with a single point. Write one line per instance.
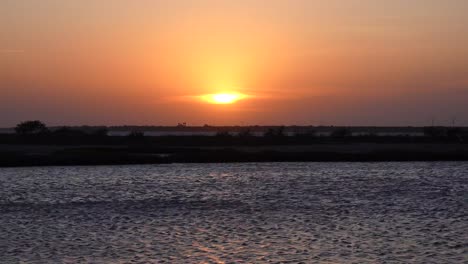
(235, 213)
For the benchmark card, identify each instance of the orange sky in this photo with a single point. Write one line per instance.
(333, 62)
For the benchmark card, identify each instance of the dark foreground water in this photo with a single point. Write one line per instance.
(236, 213)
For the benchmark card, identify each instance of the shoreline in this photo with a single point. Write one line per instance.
(46, 155)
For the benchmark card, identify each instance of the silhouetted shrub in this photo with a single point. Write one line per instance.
(454, 132)
(31, 128)
(136, 134)
(136, 137)
(278, 132)
(341, 133)
(270, 133)
(434, 132)
(307, 134)
(68, 132)
(223, 134)
(100, 132)
(245, 133)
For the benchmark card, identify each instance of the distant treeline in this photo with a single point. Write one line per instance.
(36, 132)
(254, 129)
(34, 144)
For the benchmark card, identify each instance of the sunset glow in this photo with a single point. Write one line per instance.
(223, 98)
(233, 131)
(361, 62)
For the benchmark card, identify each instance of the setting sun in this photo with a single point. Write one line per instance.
(223, 98)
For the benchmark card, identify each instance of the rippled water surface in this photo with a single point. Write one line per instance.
(236, 213)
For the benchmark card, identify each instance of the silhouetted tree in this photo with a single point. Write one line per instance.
(31, 128)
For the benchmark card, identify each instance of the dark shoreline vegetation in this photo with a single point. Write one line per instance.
(34, 144)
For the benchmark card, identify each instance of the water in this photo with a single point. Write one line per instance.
(236, 213)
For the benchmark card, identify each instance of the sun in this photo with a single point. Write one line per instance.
(223, 98)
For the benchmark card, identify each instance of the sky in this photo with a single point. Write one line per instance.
(295, 62)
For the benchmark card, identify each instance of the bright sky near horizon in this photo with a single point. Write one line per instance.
(333, 62)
